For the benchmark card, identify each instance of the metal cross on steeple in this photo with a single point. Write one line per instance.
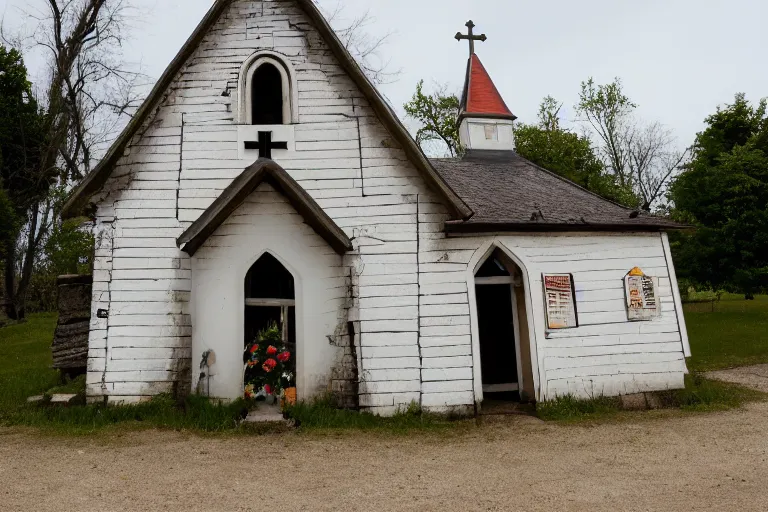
(471, 37)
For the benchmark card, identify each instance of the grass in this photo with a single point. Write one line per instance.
(729, 333)
(25, 361)
(570, 408)
(25, 370)
(699, 395)
(735, 333)
(321, 415)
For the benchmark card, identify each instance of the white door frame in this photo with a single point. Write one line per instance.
(480, 256)
(298, 303)
(509, 281)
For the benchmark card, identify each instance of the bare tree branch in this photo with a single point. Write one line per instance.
(357, 38)
(90, 92)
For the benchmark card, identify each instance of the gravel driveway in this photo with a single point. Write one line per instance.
(673, 462)
(755, 377)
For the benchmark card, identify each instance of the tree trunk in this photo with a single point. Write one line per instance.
(10, 280)
(29, 263)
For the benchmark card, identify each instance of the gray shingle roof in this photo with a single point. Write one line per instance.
(507, 192)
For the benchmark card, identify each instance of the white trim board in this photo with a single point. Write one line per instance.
(676, 295)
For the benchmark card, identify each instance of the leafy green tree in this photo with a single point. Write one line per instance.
(643, 156)
(724, 191)
(25, 182)
(9, 222)
(68, 249)
(20, 135)
(438, 115)
(568, 154)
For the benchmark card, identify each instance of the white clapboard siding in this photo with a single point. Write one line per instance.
(408, 282)
(605, 342)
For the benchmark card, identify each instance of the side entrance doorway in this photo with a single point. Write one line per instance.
(504, 346)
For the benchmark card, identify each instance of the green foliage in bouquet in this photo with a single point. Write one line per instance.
(269, 365)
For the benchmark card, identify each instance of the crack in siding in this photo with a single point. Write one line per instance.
(418, 302)
(111, 238)
(359, 146)
(181, 165)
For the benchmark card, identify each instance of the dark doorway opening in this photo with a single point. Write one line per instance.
(267, 95)
(498, 349)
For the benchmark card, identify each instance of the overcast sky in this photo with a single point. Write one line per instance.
(678, 59)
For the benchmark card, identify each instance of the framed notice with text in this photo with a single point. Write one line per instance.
(560, 300)
(642, 301)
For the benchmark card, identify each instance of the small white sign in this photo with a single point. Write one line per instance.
(560, 300)
(641, 292)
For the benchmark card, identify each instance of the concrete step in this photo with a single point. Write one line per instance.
(266, 414)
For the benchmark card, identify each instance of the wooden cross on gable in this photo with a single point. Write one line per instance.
(265, 145)
(471, 37)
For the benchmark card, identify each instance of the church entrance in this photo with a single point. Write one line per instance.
(493, 290)
(270, 329)
(503, 337)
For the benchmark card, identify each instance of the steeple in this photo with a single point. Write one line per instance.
(485, 121)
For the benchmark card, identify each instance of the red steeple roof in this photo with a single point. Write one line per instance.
(481, 97)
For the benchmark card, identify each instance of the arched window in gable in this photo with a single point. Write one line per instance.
(268, 91)
(267, 95)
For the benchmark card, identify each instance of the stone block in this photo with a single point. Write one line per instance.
(634, 402)
(654, 401)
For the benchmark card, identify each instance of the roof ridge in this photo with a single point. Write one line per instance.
(246, 184)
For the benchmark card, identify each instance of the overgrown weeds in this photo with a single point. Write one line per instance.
(570, 408)
(700, 394)
(194, 413)
(322, 415)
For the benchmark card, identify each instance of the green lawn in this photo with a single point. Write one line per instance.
(25, 361)
(25, 370)
(732, 332)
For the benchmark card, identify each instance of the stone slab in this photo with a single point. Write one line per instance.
(62, 399)
(266, 414)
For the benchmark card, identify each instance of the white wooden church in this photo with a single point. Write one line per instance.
(266, 179)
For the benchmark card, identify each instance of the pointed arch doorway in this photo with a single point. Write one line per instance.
(270, 299)
(502, 330)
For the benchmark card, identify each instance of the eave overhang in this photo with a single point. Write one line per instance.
(263, 170)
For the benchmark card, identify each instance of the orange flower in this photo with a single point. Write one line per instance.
(253, 363)
(284, 357)
(271, 350)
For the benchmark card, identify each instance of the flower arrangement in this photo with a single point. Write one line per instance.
(269, 365)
